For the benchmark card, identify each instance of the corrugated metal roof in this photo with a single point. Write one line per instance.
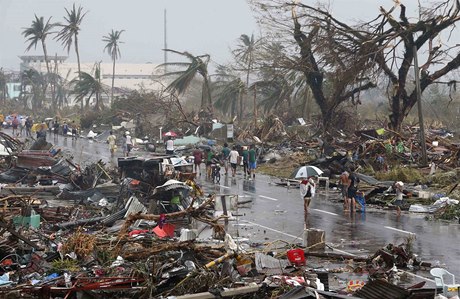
(382, 289)
(134, 206)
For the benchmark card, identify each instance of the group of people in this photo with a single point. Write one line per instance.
(230, 158)
(128, 143)
(25, 125)
(65, 128)
(21, 125)
(349, 186)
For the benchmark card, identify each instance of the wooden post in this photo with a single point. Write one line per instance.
(224, 208)
(314, 239)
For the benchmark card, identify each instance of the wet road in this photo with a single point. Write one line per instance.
(276, 212)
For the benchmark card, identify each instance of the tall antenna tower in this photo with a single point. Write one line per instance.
(165, 43)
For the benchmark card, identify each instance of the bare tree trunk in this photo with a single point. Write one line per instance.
(113, 82)
(255, 106)
(207, 93)
(78, 61)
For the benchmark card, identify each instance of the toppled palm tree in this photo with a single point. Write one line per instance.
(87, 86)
(197, 65)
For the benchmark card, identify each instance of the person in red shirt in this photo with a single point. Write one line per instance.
(15, 124)
(197, 160)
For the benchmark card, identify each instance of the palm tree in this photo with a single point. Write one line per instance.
(245, 55)
(228, 94)
(38, 32)
(68, 34)
(3, 86)
(87, 86)
(33, 78)
(112, 41)
(197, 65)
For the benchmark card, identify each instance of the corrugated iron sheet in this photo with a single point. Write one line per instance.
(382, 289)
(134, 206)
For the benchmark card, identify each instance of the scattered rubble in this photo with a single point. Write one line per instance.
(147, 229)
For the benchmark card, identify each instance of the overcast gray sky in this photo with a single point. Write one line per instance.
(197, 26)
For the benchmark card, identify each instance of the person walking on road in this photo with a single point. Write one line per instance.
(74, 130)
(29, 124)
(353, 182)
(233, 157)
(22, 126)
(398, 187)
(128, 144)
(307, 191)
(197, 160)
(245, 155)
(56, 128)
(344, 183)
(170, 146)
(209, 158)
(225, 155)
(252, 162)
(65, 129)
(41, 132)
(15, 124)
(111, 140)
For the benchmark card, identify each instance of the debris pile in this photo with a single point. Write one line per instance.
(148, 230)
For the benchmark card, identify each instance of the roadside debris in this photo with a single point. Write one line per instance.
(148, 230)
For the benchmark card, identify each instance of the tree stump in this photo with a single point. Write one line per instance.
(314, 239)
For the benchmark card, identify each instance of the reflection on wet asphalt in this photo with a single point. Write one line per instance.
(277, 213)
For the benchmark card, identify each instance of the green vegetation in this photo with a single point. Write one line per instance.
(405, 174)
(65, 265)
(451, 212)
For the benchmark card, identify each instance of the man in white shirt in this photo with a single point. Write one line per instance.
(233, 157)
(169, 146)
(111, 140)
(22, 125)
(128, 146)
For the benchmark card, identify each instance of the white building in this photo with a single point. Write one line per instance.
(128, 76)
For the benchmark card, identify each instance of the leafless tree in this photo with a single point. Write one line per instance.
(335, 66)
(398, 42)
(341, 60)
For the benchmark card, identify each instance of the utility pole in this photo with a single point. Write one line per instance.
(424, 161)
(165, 44)
(255, 106)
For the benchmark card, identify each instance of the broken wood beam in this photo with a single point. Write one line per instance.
(19, 236)
(337, 256)
(228, 293)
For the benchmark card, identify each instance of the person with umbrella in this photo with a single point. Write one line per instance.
(307, 191)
